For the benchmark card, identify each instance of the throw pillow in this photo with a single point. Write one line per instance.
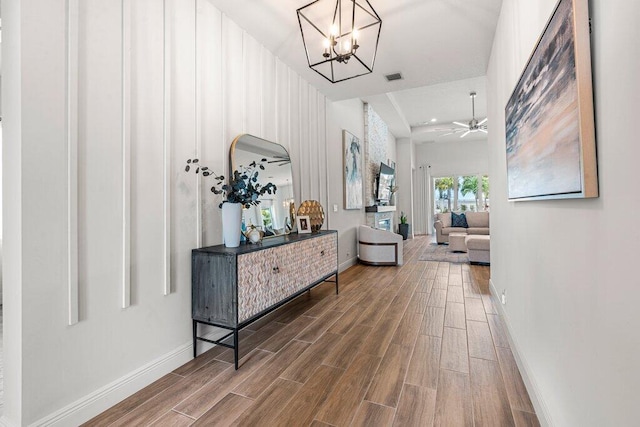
(459, 220)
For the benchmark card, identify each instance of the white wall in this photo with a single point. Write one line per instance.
(12, 197)
(219, 82)
(460, 157)
(391, 146)
(404, 167)
(568, 266)
(347, 115)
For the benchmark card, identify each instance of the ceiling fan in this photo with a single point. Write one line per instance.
(464, 128)
(474, 125)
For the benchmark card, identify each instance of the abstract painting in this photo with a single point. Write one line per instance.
(550, 138)
(352, 155)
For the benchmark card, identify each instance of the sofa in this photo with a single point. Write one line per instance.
(379, 247)
(478, 248)
(478, 223)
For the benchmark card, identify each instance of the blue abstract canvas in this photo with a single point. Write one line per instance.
(353, 153)
(543, 126)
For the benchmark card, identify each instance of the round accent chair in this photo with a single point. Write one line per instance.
(379, 247)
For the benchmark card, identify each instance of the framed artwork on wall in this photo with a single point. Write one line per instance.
(352, 156)
(550, 132)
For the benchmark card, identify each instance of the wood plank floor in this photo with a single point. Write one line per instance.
(416, 345)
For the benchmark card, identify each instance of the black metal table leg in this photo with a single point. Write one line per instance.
(235, 347)
(195, 330)
(336, 283)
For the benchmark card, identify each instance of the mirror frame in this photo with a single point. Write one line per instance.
(292, 205)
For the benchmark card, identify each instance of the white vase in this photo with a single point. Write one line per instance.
(231, 223)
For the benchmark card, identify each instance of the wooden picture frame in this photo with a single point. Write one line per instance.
(304, 224)
(549, 118)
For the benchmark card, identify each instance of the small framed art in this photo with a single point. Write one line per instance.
(303, 223)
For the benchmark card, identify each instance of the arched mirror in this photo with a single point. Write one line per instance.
(274, 213)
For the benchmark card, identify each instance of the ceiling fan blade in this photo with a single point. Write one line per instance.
(465, 134)
(483, 121)
(483, 130)
(461, 124)
(439, 129)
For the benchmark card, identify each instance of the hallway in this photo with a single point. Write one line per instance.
(416, 345)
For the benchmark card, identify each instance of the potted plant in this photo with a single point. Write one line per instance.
(242, 191)
(403, 227)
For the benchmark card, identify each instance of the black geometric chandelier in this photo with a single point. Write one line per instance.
(340, 37)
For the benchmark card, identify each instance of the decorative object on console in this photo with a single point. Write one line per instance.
(243, 190)
(243, 187)
(313, 209)
(231, 224)
(353, 152)
(253, 234)
(304, 224)
(334, 32)
(550, 131)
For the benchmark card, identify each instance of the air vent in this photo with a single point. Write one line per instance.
(394, 76)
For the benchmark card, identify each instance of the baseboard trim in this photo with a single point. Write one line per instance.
(532, 388)
(94, 403)
(348, 263)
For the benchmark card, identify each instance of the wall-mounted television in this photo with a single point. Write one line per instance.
(384, 183)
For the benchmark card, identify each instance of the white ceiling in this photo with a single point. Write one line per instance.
(440, 46)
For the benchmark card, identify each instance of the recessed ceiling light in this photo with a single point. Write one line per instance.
(434, 120)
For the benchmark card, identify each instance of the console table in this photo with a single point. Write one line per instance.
(233, 287)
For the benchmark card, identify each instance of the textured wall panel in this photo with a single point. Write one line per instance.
(146, 127)
(252, 97)
(210, 114)
(233, 83)
(294, 133)
(166, 145)
(126, 152)
(312, 145)
(304, 141)
(72, 161)
(270, 108)
(321, 156)
(283, 106)
(185, 216)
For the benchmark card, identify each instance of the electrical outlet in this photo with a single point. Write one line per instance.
(335, 208)
(503, 298)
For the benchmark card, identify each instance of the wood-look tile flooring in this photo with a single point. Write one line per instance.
(416, 345)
